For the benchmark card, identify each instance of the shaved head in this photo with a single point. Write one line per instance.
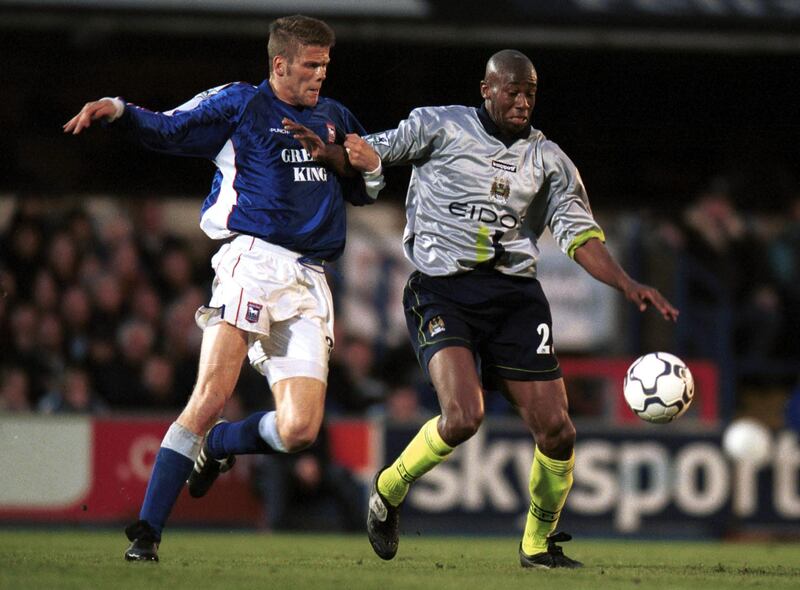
(508, 89)
(508, 61)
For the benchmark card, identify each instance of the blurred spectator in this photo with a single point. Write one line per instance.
(182, 340)
(8, 289)
(158, 381)
(62, 258)
(308, 491)
(45, 291)
(23, 351)
(119, 379)
(352, 386)
(176, 273)
(126, 267)
(90, 269)
(152, 234)
(116, 230)
(785, 263)
(14, 390)
(50, 351)
(107, 300)
(77, 313)
(402, 405)
(146, 305)
(21, 251)
(73, 395)
(728, 270)
(80, 227)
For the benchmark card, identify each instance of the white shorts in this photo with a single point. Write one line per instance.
(285, 307)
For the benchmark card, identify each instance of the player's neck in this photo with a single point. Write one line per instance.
(282, 93)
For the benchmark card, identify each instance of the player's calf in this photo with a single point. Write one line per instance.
(207, 469)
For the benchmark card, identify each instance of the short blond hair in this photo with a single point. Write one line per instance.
(287, 34)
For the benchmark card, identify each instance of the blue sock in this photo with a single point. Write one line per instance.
(173, 465)
(166, 482)
(256, 434)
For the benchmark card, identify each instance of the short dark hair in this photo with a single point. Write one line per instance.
(288, 33)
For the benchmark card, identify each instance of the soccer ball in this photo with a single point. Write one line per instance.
(747, 440)
(658, 387)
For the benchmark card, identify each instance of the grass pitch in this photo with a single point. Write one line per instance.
(196, 560)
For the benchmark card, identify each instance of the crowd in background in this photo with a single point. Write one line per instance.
(99, 317)
(750, 263)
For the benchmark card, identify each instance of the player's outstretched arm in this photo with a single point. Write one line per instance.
(361, 154)
(598, 262)
(105, 108)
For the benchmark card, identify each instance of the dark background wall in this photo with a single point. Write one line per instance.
(646, 127)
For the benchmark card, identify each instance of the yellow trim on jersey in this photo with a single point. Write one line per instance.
(584, 237)
(484, 250)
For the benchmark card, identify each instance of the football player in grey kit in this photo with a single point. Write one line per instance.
(484, 186)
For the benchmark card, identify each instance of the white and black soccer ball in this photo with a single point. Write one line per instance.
(658, 387)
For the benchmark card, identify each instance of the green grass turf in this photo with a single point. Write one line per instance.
(237, 560)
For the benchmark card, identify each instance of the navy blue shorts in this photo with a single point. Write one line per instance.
(504, 320)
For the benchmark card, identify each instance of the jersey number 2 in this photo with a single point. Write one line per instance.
(544, 332)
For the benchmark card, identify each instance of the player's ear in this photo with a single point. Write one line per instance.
(279, 65)
(484, 90)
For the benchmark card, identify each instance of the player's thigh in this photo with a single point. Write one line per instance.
(436, 323)
(455, 378)
(294, 359)
(538, 402)
(299, 347)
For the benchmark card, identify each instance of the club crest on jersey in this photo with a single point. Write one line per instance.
(331, 132)
(501, 189)
(253, 312)
(435, 326)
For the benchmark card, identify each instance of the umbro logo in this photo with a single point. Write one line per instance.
(503, 166)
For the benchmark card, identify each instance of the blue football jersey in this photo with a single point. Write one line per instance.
(266, 185)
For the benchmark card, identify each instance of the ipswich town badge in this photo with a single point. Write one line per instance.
(253, 312)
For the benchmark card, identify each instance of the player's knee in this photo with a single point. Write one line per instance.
(460, 424)
(557, 438)
(297, 435)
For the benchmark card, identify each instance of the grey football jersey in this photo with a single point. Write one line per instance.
(471, 199)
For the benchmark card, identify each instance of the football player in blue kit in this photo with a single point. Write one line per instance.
(277, 200)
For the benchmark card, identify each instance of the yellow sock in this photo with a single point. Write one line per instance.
(551, 481)
(425, 451)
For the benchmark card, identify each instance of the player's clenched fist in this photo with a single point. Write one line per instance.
(105, 108)
(360, 153)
